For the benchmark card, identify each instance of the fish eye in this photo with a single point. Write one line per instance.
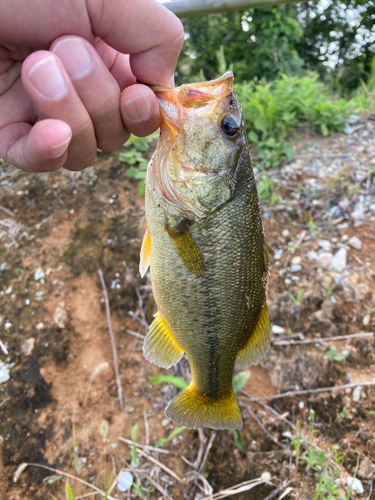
(230, 125)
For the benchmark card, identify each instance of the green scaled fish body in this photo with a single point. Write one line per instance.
(205, 246)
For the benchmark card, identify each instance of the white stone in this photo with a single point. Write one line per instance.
(296, 260)
(60, 316)
(355, 484)
(366, 320)
(278, 253)
(39, 274)
(355, 242)
(285, 233)
(311, 255)
(4, 372)
(325, 244)
(324, 260)
(27, 346)
(278, 329)
(338, 263)
(357, 391)
(125, 481)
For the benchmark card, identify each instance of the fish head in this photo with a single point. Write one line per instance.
(201, 136)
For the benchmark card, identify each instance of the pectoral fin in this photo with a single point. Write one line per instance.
(187, 248)
(159, 346)
(258, 343)
(145, 257)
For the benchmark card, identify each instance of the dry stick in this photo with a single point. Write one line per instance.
(159, 487)
(313, 391)
(3, 348)
(147, 429)
(210, 442)
(136, 334)
(60, 472)
(7, 211)
(278, 490)
(164, 467)
(320, 340)
(4, 401)
(282, 446)
(144, 446)
(114, 352)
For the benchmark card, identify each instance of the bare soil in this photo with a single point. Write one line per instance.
(53, 406)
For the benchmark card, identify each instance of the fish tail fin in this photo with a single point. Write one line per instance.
(194, 410)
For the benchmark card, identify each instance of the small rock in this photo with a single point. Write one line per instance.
(366, 469)
(338, 263)
(3, 266)
(287, 281)
(60, 316)
(334, 212)
(7, 326)
(324, 260)
(266, 476)
(296, 260)
(348, 130)
(285, 233)
(357, 391)
(278, 329)
(4, 372)
(353, 119)
(325, 244)
(372, 207)
(40, 326)
(358, 212)
(295, 268)
(165, 422)
(355, 242)
(27, 346)
(39, 274)
(278, 253)
(366, 320)
(363, 289)
(355, 484)
(311, 255)
(344, 204)
(8, 290)
(125, 481)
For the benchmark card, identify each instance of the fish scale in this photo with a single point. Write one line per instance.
(216, 311)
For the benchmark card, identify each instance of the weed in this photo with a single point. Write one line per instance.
(138, 488)
(311, 224)
(134, 157)
(328, 289)
(69, 494)
(173, 434)
(237, 439)
(268, 191)
(297, 300)
(344, 413)
(332, 354)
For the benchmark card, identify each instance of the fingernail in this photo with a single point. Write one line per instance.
(59, 150)
(74, 56)
(139, 108)
(47, 77)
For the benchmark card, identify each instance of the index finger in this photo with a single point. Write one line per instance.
(145, 29)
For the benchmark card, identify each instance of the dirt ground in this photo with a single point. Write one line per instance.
(60, 408)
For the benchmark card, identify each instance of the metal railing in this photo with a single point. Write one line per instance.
(191, 8)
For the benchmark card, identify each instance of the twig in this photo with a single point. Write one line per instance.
(144, 446)
(164, 467)
(137, 318)
(210, 442)
(135, 334)
(59, 199)
(3, 348)
(362, 263)
(4, 401)
(285, 341)
(114, 352)
(159, 488)
(7, 211)
(23, 466)
(147, 429)
(278, 490)
(313, 391)
(282, 446)
(238, 488)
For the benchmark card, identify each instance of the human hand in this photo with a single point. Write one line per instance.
(68, 75)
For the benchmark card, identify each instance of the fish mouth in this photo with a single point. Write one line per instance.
(173, 168)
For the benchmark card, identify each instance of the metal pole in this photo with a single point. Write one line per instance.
(191, 8)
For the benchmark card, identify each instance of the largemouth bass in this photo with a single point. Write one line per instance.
(205, 247)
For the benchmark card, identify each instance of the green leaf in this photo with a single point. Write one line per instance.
(237, 439)
(174, 433)
(69, 493)
(253, 137)
(324, 129)
(289, 151)
(177, 381)
(239, 380)
(134, 454)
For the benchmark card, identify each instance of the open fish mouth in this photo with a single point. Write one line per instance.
(176, 169)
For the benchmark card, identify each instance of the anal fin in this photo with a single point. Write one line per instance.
(145, 257)
(187, 248)
(258, 343)
(159, 346)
